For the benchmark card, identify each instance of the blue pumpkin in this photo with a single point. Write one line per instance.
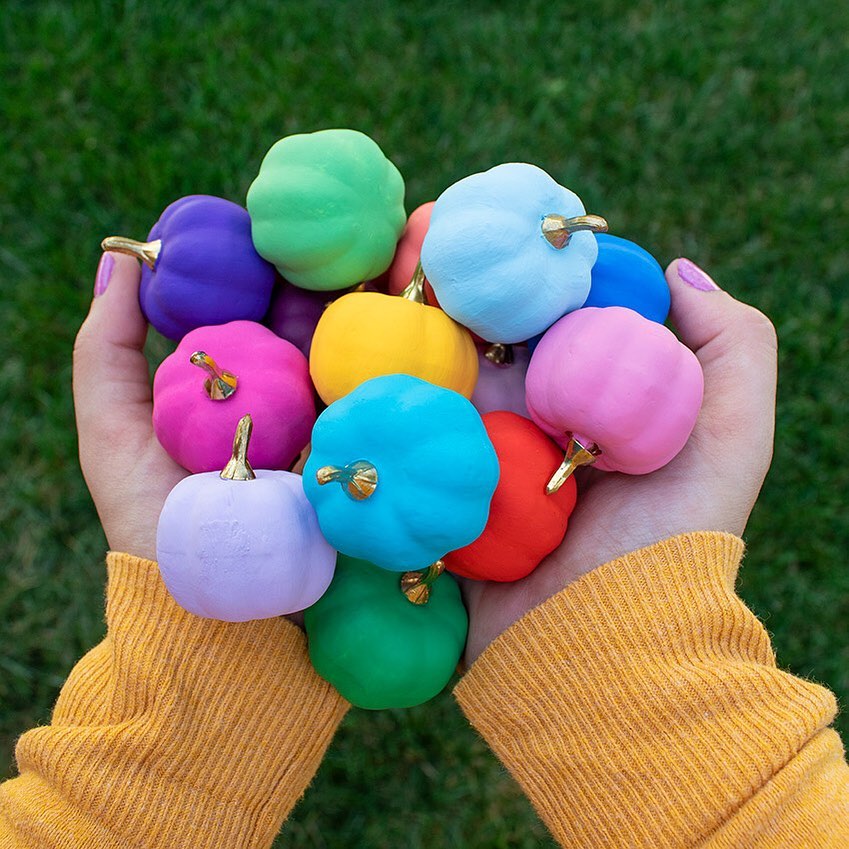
(496, 257)
(401, 472)
(625, 275)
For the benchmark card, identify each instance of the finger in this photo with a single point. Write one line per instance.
(736, 346)
(110, 369)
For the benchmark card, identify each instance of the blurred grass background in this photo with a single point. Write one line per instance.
(717, 130)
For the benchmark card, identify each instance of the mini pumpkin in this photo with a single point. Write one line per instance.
(501, 379)
(509, 251)
(625, 275)
(376, 648)
(327, 209)
(242, 545)
(218, 374)
(614, 389)
(199, 267)
(400, 472)
(367, 334)
(409, 249)
(294, 314)
(525, 524)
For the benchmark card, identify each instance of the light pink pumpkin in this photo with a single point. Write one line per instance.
(272, 384)
(610, 377)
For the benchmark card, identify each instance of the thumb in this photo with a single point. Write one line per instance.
(110, 369)
(736, 346)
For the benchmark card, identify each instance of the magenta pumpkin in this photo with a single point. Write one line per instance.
(242, 545)
(620, 385)
(219, 374)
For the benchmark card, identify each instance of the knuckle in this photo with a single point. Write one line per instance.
(757, 328)
(85, 342)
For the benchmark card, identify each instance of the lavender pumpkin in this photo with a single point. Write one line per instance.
(199, 267)
(242, 545)
(501, 380)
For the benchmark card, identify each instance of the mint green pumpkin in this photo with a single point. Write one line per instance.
(378, 649)
(327, 209)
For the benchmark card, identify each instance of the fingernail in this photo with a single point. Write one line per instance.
(693, 276)
(104, 272)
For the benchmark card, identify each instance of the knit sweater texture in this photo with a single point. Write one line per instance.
(639, 707)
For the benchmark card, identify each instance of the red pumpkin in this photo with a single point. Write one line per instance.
(525, 525)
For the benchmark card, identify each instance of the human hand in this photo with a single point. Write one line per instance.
(127, 471)
(711, 485)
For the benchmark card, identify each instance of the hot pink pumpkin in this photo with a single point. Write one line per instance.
(272, 383)
(242, 545)
(614, 380)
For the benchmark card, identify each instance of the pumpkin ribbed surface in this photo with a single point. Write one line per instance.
(327, 209)
(616, 379)
(366, 334)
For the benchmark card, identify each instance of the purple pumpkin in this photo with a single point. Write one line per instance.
(242, 545)
(200, 267)
(294, 314)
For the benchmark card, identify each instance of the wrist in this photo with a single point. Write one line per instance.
(641, 684)
(219, 727)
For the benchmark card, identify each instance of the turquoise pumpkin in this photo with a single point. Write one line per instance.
(401, 472)
(509, 251)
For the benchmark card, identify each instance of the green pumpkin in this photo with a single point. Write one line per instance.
(377, 648)
(327, 209)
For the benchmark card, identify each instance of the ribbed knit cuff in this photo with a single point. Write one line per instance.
(641, 705)
(176, 731)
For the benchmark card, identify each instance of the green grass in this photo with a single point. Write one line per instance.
(717, 130)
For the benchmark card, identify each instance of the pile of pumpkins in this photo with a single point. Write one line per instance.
(467, 360)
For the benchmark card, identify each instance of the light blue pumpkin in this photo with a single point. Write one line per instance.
(491, 265)
(625, 275)
(408, 472)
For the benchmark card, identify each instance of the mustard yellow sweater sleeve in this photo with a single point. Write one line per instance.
(641, 707)
(175, 731)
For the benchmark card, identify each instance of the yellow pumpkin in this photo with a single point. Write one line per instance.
(367, 334)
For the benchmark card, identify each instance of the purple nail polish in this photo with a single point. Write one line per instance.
(104, 272)
(693, 276)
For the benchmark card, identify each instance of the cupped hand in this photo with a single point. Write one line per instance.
(711, 485)
(127, 471)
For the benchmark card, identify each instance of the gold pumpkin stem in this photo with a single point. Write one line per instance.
(239, 469)
(415, 290)
(147, 252)
(576, 455)
(416, 585)
(358, 479)
(500, 354)
(220, 384)
(558, 230)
